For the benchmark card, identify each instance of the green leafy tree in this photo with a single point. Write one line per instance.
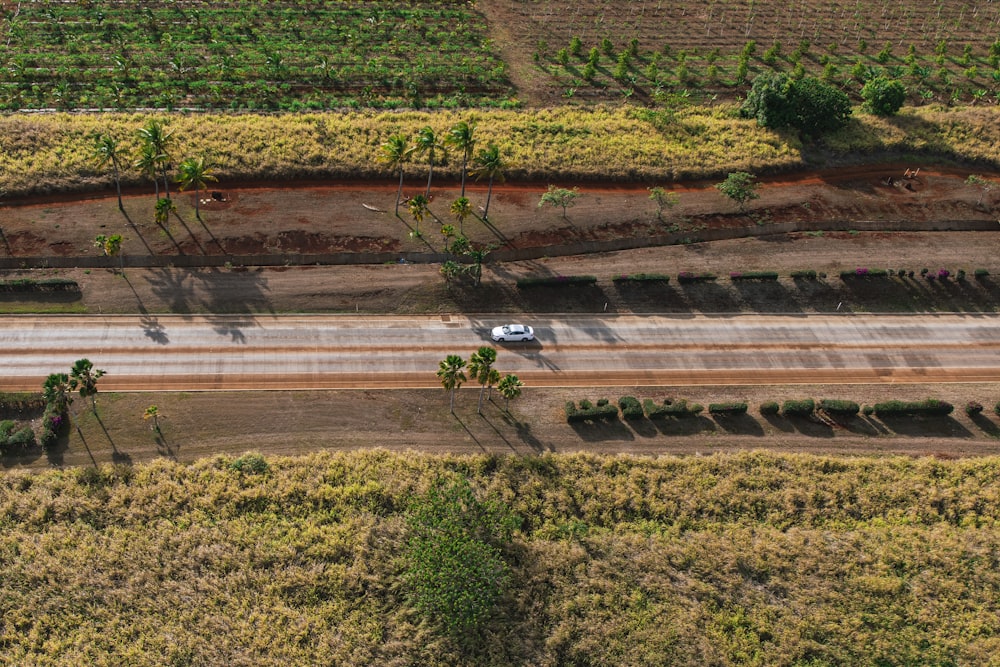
(451, 270)
(396, 152)
(454, 561)
(164, 207)
(461, 209)
(462, 138)
(559, 197)
(509, 387)
(56, 392)
(740, 187)
(489, 163)
(418, 209)
(883, 96)
(107, 151)
(450, 372)
(777, 100)
(195, 172)
(83, 378)
(155, 137)
(663, 199)
(428, 144)
(111, 246)
(480, 364)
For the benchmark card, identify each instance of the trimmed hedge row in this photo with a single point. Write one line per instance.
(43, 285)
(753, 275)
(670, 408)
(686, 277)
(555, 281)
(927, 407)
(20, 404)
(838, 407)
(587, 411)
(727, 409)
(642, 278)
(631, 407)
(800, 408)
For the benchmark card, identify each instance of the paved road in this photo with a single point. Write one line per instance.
(348, 351)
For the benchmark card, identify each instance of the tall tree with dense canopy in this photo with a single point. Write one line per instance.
(462, 138)
(809, 105)
(195, 172)
(451, 373)
(480, 364)
(427, 143)
(107, 151)
(489, 163)
(396, 152)
(83, 377)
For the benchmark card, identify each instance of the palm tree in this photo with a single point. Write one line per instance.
(418, 209)
(491, 379)
(452, 376)
(197, 172)
(461, 208)
(461, 136)
(489, 163)
(56, 391)
(427, 143)
(148, 163)
(108, 152)
(158, 138)
(111, 246)
(509, 387)
(153, 412)
(480, 365)
(396, 152)
(83, 377)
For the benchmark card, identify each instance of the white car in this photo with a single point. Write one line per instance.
(512, 332)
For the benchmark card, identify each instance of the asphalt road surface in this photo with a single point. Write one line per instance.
(170, 352)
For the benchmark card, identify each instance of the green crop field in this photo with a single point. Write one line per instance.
(727, 560)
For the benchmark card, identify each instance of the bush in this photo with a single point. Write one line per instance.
(631, 407)
(642, 278)
(928, 407)
(670, 408)
(754, 275)
(253, 464)
(44, 285)
(769, 408)
(838, 407)
(883, 96)
(973, 408)
(801, 408)
(686, 277)
(808, 274)
(777, 100)
(554, 281)
(730, 409)
(862, 272)
(20, 404)
(980, 273)
(13, 439)
(996, 408)
(587, 411)
(867, 411)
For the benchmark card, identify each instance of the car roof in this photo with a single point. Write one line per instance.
(516, 328)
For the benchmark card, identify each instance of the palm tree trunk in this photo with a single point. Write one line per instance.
(118, 185)
(479, 408)
(166, 186)
(465, 161)
(489, 195)
(430, 173)
(452, 400)
(399, 190)
(197, 202)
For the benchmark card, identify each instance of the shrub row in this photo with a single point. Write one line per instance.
(728, 409)
(44, 285)
(805, 274)
(940, 274)
(13, 439)
(642, 278)
(930, 406)
(686, 277)
(670, 408)
(631, 407)
(587, 411)
(799, 408)
(862, 272)
(753, 275)
(554, 281)
(20, 404)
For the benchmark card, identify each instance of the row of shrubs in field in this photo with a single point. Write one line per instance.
(864, 273)
(631, 408)
(43, 285)
(17, 435)
(688, 277)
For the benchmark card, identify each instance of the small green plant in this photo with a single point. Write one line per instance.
(250, 464)
(769, 408)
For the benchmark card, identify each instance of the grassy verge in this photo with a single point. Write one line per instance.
(791, 559)
(53, 152)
